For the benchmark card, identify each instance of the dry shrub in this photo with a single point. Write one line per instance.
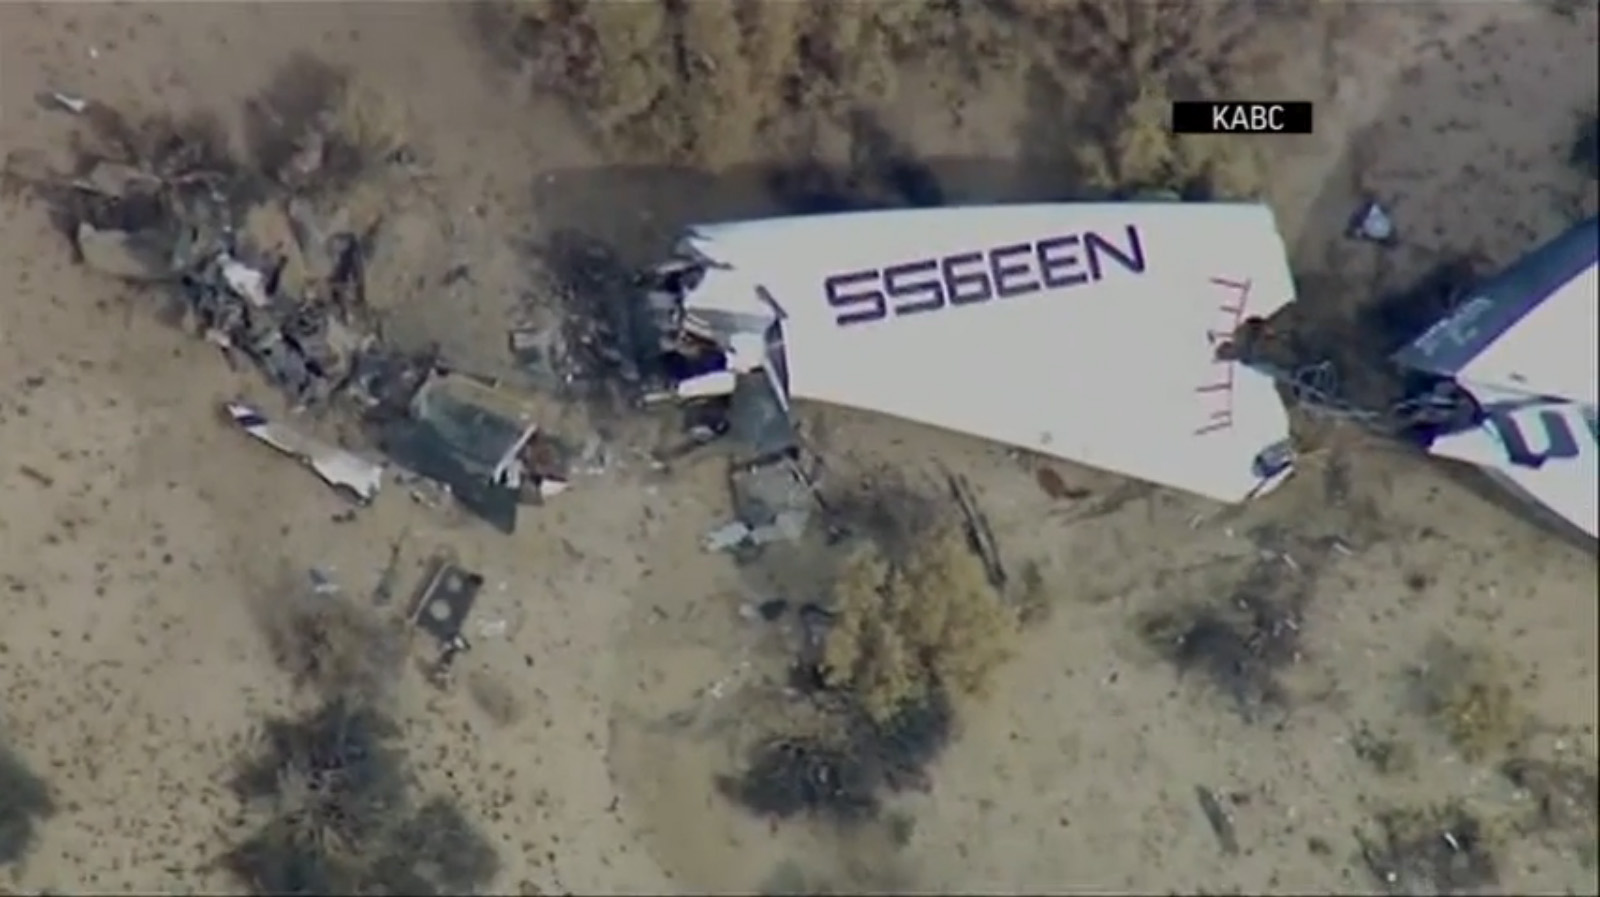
(1241, 639)
(335, 796)
(707, 82)
(1564, 802)
(913, 623)
(1141, 154)
(1467, 693)
(1386, 753)
(713, 82)
(908, 628)
(328, 643)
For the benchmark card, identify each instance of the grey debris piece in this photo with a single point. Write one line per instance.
(445, 599)
(727, 537)
(975, 524)
(773, 499)
(1372, 223)
(787, 526)
(472, 436)
(344, 470)
(322, 582)
(422, 450)
(389, 576)
(65, 102)
(485, 427)
(1219, 820)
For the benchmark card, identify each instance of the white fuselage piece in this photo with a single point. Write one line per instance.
(1087, 332)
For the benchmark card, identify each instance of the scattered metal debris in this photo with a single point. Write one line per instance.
(1219, 820)
(980, 538)
(772, 500)
(786, 526)
(444, 601)
(322, 582)
(337, 467)
(65, 102)
(469, 435)
(383, 592)
(270, 270)
(768, 611)
(1440, 850)
(600, 348)
(727, 537)
(237, 267)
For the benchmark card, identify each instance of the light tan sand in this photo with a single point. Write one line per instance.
(130, 666)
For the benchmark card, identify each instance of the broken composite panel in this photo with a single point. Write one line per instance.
(1524, 348)
(1106, 335)
(1087, 332)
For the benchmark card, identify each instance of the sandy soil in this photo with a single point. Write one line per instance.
(130, 665)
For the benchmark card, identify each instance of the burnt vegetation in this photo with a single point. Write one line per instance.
(330, 804)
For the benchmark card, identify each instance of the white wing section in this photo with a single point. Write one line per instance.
(1554, 351)
(1083, 331)
(1545, 451)
(1533, 329)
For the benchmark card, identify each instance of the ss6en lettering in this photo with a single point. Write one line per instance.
(971, 278)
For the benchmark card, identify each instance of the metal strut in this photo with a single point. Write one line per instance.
(1315, 388)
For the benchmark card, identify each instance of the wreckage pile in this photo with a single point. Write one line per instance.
(247, 259)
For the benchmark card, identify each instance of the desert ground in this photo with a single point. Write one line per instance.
(1445, 648)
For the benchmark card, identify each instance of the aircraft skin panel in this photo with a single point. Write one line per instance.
(1086, 332)
(1547, 450)
(1533, 329)
(1554, 351)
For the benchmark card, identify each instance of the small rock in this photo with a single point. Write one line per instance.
(127, 255)
(117, 179)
